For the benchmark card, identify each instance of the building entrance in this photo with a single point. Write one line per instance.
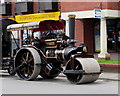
(111, 38)
(113, 35)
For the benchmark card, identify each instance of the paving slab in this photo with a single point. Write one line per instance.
(110, 76)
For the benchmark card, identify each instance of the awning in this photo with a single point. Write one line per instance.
(37, 26)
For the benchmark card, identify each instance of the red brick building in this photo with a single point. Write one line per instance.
(89, 29)
(94, 20)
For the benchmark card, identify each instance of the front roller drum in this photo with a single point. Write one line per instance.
(86, 70)
(27, 63)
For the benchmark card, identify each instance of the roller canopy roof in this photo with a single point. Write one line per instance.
(37, 26)
(5, 22)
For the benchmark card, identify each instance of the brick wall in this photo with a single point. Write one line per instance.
(89, 34)
(82, 6)
(79, 31)
(84, 32)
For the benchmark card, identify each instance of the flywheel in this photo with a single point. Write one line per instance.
(27, 63)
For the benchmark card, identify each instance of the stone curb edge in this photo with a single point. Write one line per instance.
(110, 67)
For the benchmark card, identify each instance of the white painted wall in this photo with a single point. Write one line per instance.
(90, 14)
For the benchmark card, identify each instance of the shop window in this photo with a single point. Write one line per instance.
(97, 36)
(5, 9)
(24, 7)
(110, 37)
(5, 1)
(48, 6)
(118, 34)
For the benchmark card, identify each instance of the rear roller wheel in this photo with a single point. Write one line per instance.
(27, 62)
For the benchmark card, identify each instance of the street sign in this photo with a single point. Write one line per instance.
(97, 13)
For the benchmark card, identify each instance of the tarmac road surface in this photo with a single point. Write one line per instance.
(59, 85)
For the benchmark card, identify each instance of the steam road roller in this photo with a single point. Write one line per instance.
(44, 50)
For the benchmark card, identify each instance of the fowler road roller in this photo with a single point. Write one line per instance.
(44, 50)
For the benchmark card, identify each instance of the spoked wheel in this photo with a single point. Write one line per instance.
(27, 62)
(74, 78)
(46, 74)
(10, 70)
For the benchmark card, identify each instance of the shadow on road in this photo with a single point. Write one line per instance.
(6, 76)
(63, 80)
(39, 79)
(50, 80)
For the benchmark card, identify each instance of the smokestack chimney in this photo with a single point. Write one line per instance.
(71, 27)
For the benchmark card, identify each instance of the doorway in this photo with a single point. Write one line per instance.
(112, 35)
